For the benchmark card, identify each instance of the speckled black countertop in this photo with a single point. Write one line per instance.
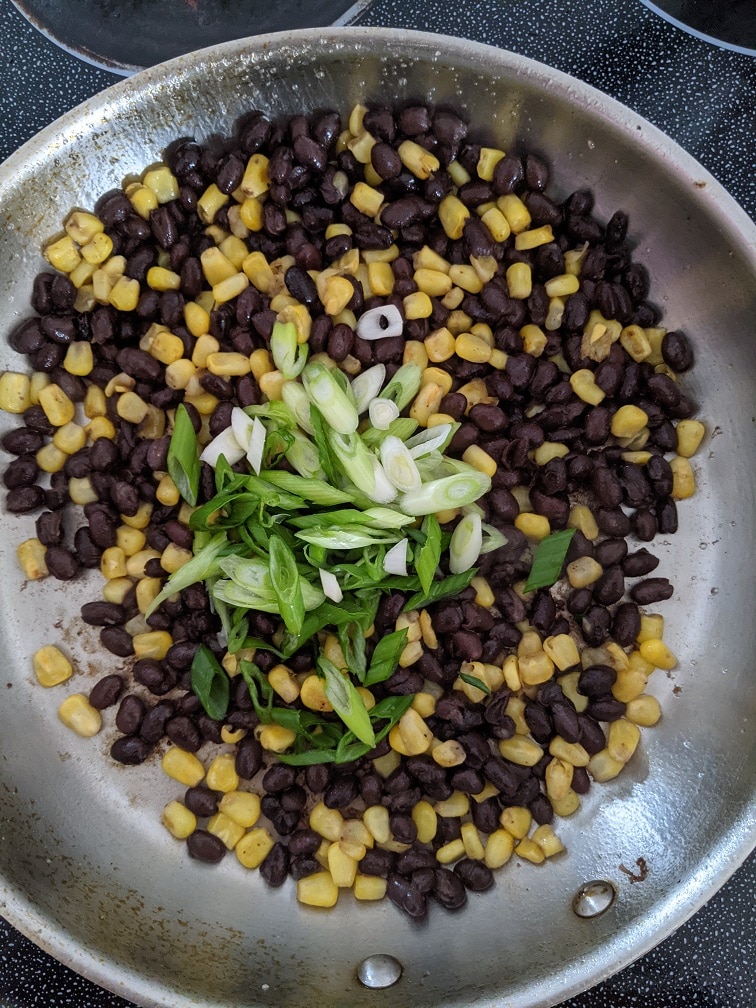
(701, 95)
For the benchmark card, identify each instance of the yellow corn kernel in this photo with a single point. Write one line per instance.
(519, 280)
(326, 822)
(569, 688)
(136, 563)
(312, 694)
(683, 478)
(31, 559)
(81, 491)
(82, 226)
(426, 258)
(458, 321)
(366, 199)
(196, 318)
(520, 750)
(255, 180)
(70, 438)
(628, 421)
(496, 223)
(161, 279)
(603, 767)
(533, 525)
(426, 402)
(376, 820)
(178, 820)
(562, 285)
(562, 650)
(131, 407)
(534, 237)
(124, 294)
(230, 288)
(210, 202)
(457, 804)
(417, 305)
(558, 778)
(141, 519)
(337, 292)
(630, 683)
(568, 752)
(635, 342)
(78, 359)
(63, 254)
(113, 563)
(167, 491)
(426, 821)
(152, 644)
(466, 277)
(657, 654)
(232, 735)
(411, 736)
(182, 766)
(499, 848)
(276, 738)
(530, 851)
(450, 852)
(80, 716)
(228, 364)
(51, 666)
(342, 867)
(534, 339)
(623, 738)
(223, 827)
(414, 353)
(651, 627)
(417, 159)
(433, 282)
(254, 847)
(37, 381)
(146, 591)
(283, 682)
(583, 571)
(690, 434)
(162, 182)
(472, 348)
(584, 386)
(643, 710)
(453, 215)
(471, 839)
(581, 517)
(369, 887)
(516, 820)
(15, 392)
(484, 595)
(318, 890)
(511, 673)
(174, 557)
(547, 840)
(58, 408)
(380, 278)
(515, 211)
(479, 459)
(130, 539)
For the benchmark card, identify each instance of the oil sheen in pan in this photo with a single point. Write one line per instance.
(124, 37)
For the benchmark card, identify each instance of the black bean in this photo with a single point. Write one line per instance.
(666, 516)
(626, 624)
(249, 757)
(377, 862)
(117, 640)
(677, 351)
(204, 846)
(610, 587)
(107, 691)
(605, 708)
(449, 889)
(596, 680)
(596, 623)
(61, 563)
(406, 897)
(275, 868)
(182, 731)
(651, 590)
(201, 801)
(130, 750)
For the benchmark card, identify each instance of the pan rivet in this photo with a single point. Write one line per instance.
(379, 971)
(593, 898)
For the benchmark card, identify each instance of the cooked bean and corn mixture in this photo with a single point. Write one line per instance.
(368, 436)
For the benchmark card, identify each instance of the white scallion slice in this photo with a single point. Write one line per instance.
(241, 425)
(466, 542)
(367, 385)
(303, 456)
(404, 385)
(380, 323)
(384, 490)
(288, 354)
(492, 539)
(431, 439)
(399, 465)
(382, 413)
(223, 444)
(334, 402)
(256, 448)
(447, 492)
(295, 397)
(330, 585)
(395, 561)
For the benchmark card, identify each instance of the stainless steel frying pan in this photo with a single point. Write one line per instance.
(87, 870)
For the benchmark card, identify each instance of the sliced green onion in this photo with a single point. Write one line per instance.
(493, 539)
(395, 561)
(224, 444)
(466, 540)
(241, 425)
(325, 391)
(331, 585)
(183, 461)
(427, 557)
(402, 427)
(315, 490)
(399, 465)
(210, 683)
(356, 462)
(385, 490)
(286, 584)
(346, 537)
(298, 401)
(380, 323)
(289, 356)
(431, 439)
(381, 517)
(203, 565)
(346, 701)
(382, 413)
(256, 446)
(447, 492)
(367, 385)
(549, 559)
(404, 386)
(303, 456)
